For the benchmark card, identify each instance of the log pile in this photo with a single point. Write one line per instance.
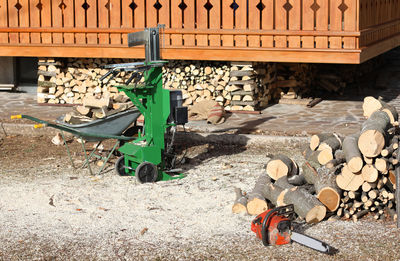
(48, 69)
(71, 80)
(236, 86)
(348, 176)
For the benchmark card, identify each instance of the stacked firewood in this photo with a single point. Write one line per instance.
(97, 108)
(75, 79)
(234, 86)
(47, 72)
(242, 89)
(348, 176)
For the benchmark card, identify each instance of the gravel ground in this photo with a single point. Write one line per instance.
(51, 211)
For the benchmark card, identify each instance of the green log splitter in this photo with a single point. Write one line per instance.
(149, 157)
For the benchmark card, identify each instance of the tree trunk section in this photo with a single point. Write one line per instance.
(256, 203)
(281, 165)
(324, 182)
(369, 173)
(306, 205)
(373, 134)
(318, 139)
(353, 155)
(240, 203)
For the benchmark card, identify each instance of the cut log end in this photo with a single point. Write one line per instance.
(316, 214)
(371, 143)
(355, 164)
(256, 206)
(238, 208)
(330, 198)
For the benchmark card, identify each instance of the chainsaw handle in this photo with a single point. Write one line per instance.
(276, 211)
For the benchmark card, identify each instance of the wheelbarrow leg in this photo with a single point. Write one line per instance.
(69, 153)
(87, 159)
(108, 156)
(91, 154)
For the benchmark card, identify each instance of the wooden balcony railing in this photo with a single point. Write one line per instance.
(344, 31)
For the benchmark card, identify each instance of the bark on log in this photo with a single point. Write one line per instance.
(333, 143)
(256, 203)
(373, 134)
(324, 182)
(353, 155)
(371, 105)
(306, 205)
(318, 139)
(281, 165)
(240, 203)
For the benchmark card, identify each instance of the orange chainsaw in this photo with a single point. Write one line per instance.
(274, 227)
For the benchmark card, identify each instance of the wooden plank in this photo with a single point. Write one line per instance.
(350, 23)
(189, 22)
(322, 17)
(91, 13)
(215, 22)
(176, 22)
(103, 13)
(308, 23)
(69, 38)
(280, 15)
(138, 17)
(267, 23)
(45, 17)
(3, 21)
(202, 22)
(211, 54)
(254, 23)
(241, 22)
(80, 18)
(13, 20)
(151, 14)
(57, 21)
(294, 23)
(35, 20)
(164, 15)
(24, 21)
(227, 22)
(335, 24)
(115, 20)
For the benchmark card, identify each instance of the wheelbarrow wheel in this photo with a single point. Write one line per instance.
(146, 172)
(120, 166)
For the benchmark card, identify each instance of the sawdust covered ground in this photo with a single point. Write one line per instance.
(49, 210)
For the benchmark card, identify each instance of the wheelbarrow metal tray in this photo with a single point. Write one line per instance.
(114, 124)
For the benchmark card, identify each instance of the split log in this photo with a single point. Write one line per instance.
(373, 134)
(353, 155)
(97, 103)
(256, 203)
(347, 180)
(240, 203)
(306, 205)
(324, 182)
(281, 165)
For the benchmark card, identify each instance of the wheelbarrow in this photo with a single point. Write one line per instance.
(110, 127)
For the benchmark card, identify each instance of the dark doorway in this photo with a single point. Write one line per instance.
(27, 74)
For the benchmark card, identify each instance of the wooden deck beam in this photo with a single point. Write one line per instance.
(246, 54)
